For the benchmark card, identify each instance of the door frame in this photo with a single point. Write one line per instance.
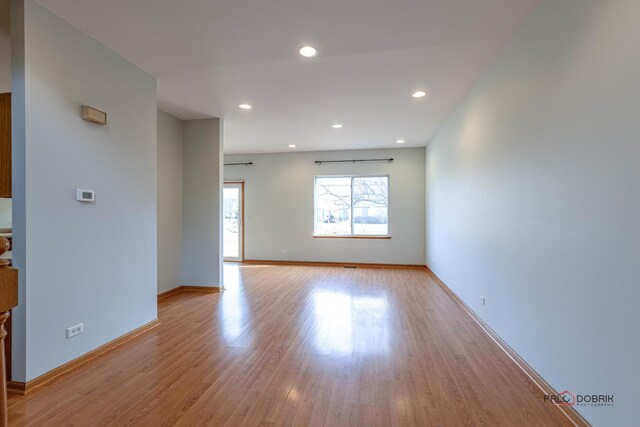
(241, 183)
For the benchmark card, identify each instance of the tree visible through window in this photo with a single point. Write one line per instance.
(352, 206)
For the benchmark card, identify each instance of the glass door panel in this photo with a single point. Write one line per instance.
(232, 225)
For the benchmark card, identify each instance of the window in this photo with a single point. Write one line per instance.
(351, 206)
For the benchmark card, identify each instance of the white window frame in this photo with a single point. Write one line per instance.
(352, 235)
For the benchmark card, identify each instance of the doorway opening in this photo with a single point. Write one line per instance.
(233, 221)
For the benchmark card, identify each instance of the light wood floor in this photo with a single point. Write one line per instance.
(300, 346)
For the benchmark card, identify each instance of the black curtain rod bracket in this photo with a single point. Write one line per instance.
(239, 164)
(319, 162)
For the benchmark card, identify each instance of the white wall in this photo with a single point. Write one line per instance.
(169, 201)
(533, 199)
(18, 186)
(89, 263)
(202, 203)
(279, 206)
(5, 213)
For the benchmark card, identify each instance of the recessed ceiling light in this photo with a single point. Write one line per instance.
(336, 126)
(400, 141)
(308, 51)
(245, 106)
(419, 94)
(292, 145)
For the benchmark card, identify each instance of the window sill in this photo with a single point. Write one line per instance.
(353, 237)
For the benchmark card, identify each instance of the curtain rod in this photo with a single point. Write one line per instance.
(238, 164)
(319, 162)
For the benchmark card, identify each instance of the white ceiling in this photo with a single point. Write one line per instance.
(209, 56)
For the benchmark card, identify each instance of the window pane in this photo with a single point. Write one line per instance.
(371, 205)
(333, 207)
(231, 227)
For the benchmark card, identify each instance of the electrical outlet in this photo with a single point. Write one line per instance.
(75, 330)
(284, 251)
(482, 300)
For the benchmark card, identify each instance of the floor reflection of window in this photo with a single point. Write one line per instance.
(234, 308)
(350, 324)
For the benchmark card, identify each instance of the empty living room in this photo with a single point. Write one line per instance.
(328, 213)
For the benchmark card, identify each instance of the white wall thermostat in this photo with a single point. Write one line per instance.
(85, 196)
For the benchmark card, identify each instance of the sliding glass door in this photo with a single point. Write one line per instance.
(233, 221)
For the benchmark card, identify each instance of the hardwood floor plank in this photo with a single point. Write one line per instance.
(297, 346)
